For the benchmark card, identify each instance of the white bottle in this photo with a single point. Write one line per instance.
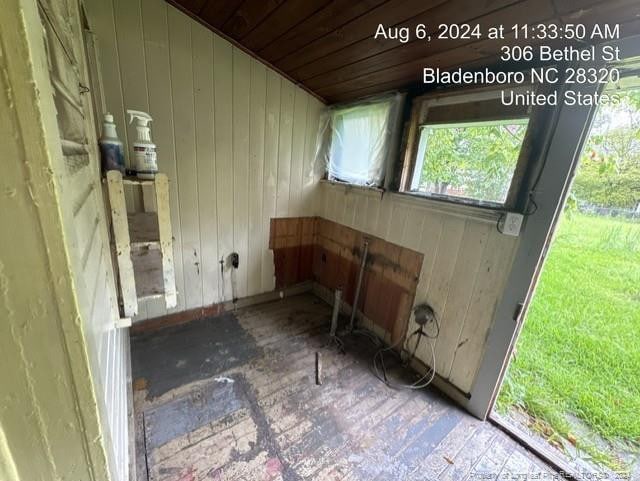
(144, 151)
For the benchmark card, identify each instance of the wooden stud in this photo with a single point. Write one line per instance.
(123, 246)
(166, 242)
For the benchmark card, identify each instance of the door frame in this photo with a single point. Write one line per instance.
(570, 128)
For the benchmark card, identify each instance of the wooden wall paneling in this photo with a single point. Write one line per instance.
(334, 203)
(413, 228)
(384, 217)
(279, 22)
(300, 106)
(216, 13)
(464, 268)
(177, 89)
(468, 54)
(223, 118)
(311, 172)
(397, 222)
(156, 44)
(465, 272)
(325, 199)
(349, 210)
(180, 47)
(372, 54)
(332, 16)
(329, 47)
(440, 282)
(241, 89)
(294, 243)
(270, 177)
(477, 322)
(114, 61)
(359, 28)
(331, 200)
(128, 20)
(193, 5)
(102, 22)
(359, 212)
(284, 148)
(429, 242)
(257, 125)
(371, 213)
(203, 68)
(247, 16)
(133, 197)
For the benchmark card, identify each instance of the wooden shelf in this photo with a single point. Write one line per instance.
(136, 181)
(143, 241)
(131, 180)
(147, 270)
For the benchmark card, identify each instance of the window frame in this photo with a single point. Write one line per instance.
(397, 102)
(514, 202)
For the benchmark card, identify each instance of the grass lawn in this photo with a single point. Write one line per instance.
(579, 351)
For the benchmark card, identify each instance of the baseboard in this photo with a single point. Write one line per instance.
(182, 317)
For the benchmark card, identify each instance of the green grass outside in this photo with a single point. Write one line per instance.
(579, 351)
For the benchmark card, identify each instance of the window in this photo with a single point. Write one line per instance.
(474, 161)
(465, 148)
(360, 141)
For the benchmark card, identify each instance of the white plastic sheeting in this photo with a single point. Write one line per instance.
(356, 139)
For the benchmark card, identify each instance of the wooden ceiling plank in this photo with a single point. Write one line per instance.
(390, 13)
(477, 55)
(324, 21)
(289, 14)
(606, 11)
(217, 12)
(193, 6)
(393, 54)
(248, 16)
(565, 6)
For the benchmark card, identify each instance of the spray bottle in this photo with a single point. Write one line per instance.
(144, 151)
(111, 151)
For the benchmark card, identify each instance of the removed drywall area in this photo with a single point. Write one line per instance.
(313, 248)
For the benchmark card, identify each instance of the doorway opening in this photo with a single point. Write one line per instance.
(573, 384)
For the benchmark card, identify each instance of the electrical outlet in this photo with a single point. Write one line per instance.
(512, 223)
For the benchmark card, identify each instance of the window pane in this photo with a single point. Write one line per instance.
(359, 143)
(473, 161)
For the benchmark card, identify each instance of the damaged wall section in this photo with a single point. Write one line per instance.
(313, 248)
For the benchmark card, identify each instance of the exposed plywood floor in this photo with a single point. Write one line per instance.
(234, 398)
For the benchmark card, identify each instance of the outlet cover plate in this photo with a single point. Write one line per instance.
(512, 224)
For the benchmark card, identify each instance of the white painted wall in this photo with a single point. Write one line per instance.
(237, 141)
(235, 138)
(466, 263)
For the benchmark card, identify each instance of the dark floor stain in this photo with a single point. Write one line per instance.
(266, 439)
(183, 415)
(198, 350)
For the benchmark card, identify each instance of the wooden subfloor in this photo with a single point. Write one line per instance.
(234, 398)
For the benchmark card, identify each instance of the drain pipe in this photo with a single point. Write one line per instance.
(336, 311)
(354, 308)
